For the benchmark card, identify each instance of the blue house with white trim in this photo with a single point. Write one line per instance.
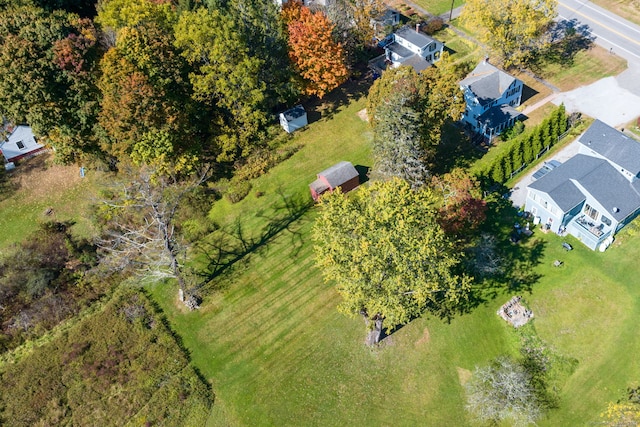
(595, 193)
(491, 97)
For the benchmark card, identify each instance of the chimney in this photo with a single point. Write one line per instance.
(417, 28)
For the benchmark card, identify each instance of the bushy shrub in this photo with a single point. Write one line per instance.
(237, 190)
(433, 25)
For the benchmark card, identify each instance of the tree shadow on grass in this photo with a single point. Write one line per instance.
(455, 150)
(338, 98)
(502, 259)
(568, 37)
(235, 243)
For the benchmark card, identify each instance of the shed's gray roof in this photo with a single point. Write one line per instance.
(339, 173)
(497, 115)
(598, 178)
(613, 145)
(487, 82)
(294, 113)
(414, 37)
(318, 186)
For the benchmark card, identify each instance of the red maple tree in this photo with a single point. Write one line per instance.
(319, 59)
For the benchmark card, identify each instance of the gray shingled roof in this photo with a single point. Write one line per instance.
(339, 173)
(294, 113)
(487, 82)
(497, 115)
(318, 186)
(613, 145)
(400, 50)
(597, 177)
(414, 37)
(418, 63)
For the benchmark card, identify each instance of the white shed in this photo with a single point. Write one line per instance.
(293, 119)
(19, 144)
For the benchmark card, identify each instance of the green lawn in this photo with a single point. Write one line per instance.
(278, 353)
(438, 7)
(38, 185)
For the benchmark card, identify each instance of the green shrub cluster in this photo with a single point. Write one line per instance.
(524, 148)
(253, 167)
(119, 366)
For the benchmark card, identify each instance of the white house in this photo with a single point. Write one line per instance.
(20, 143)
(491, 96)
(293, 119)
(387, 19)
(409, 47)
(593, 194)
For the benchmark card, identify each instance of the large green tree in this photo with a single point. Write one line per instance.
(226, 78)
(397, 150)
(144, 89)
(264, 34)
(434, 95)
(516, 30)
(383, 248)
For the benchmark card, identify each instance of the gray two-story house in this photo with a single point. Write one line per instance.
(491, 98)
(593, 194)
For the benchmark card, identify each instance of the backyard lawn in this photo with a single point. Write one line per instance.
(39, 191)
(278, 353)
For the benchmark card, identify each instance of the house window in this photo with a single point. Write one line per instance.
(590, 211)
(20, 145)
(432, 47)
(605, 220)
(436, 55)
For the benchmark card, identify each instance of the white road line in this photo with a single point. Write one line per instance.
(611, 17)
(608, 41)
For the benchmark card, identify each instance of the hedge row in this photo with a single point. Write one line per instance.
(527, 147)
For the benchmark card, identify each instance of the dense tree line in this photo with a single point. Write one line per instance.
(147, 82)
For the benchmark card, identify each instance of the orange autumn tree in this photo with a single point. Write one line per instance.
(320, 61)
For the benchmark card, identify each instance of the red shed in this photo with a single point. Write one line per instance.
(342, 175)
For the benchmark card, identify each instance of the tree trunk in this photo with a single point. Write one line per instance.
(375, 329)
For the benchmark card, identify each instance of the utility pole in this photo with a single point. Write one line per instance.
(451, 11)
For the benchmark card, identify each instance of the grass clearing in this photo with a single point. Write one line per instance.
(588, 66)
(629, 10)
(39, 185)
(278, 352)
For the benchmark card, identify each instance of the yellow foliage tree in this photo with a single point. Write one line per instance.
(514, 29)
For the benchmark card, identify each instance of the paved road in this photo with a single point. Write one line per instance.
(612, 32)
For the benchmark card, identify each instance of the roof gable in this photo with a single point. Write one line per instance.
(613, 145)
(488, 82)
(414, 37)
(585, 176)
(339, 173)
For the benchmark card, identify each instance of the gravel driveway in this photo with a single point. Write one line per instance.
(604, 100)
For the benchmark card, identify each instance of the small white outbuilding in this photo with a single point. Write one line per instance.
(20, 143)
(293, 119)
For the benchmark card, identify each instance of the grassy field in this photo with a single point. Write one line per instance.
(37, 186)
(434, 7)
(278, 353)
(118, 366)
(629, 10)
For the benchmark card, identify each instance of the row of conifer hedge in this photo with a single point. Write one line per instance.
(527, 147)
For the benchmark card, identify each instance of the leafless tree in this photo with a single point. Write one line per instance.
(140, 232)
(503, 391)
